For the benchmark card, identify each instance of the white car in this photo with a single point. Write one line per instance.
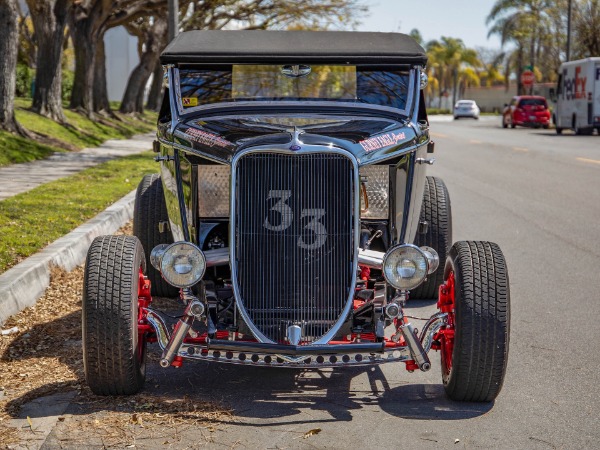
(466, 108)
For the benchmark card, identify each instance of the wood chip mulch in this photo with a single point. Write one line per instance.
(45, 357)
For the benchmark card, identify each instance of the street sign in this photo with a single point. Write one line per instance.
(528, 78)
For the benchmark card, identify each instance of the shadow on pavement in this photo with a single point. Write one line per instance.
(279, 396)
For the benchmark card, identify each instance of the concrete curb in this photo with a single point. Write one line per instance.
(22, 285)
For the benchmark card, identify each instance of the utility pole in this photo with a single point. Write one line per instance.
(454, 88)
(173, 19)
(569, 13)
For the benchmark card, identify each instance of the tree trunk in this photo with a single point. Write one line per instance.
(85, 49)
(133, 99)
(8, 65)
(155, 94)
(49, 20)
(520, 90)
(137, 83)
(100, 90)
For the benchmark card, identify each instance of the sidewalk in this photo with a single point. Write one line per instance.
(18, 178)
(23, 284)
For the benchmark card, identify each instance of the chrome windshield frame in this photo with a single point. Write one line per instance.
(176, 100)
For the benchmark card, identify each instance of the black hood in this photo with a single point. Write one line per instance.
(220, 138)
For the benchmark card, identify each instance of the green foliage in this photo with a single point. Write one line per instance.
(32, 220)
(25, 77)
(436, 111)
(538, 30)
(68, 76)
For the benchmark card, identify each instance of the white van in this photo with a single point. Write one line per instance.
(578, 96)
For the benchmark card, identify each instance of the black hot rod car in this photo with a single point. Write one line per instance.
(293, 219)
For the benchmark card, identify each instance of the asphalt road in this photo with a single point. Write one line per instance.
(537, 195)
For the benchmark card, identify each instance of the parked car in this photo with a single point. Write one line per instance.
(577, 96)
(466, 108)
(526, 111)
(293, 218)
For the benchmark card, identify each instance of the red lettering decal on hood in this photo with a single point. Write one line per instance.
(385, 140)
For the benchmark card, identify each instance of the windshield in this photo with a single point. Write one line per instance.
(532, 102)
(352, 84)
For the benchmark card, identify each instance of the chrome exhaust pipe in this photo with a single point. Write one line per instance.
(370, 258)
(430, 329)
(217, 257)
(162, 332)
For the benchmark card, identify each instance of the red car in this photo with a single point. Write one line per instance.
(526, 111)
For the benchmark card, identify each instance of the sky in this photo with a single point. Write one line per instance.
(463, 19)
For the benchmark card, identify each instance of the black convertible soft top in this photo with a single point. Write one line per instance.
(293, 46)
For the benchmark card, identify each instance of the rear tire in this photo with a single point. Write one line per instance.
(149, 211)
(436, 210)
(584, 131)
(481, 317)
(113, 355)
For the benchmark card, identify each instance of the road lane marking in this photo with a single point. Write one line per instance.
(520, 149)
(591, 161)
(474, 141)
(438, 135)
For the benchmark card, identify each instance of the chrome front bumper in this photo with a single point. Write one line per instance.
(299, 356)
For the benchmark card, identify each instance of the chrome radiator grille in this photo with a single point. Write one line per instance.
(294, 249)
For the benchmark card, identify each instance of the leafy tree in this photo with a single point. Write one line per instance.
(220, 14)
(587, 28)
(416, 35)
(88, 22)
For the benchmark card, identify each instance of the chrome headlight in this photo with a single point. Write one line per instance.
(181, 264)
(405, 266)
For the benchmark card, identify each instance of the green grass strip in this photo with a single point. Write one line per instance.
(81, 132)
(32, 220)
(15, 149)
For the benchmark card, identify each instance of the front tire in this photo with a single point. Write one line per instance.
(474, 360)
(114, 354)
(149, 211)
(437, 212)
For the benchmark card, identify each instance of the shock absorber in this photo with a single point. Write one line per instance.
(407, 331)
(194, 310)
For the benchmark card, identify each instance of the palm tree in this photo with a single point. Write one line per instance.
(523, 22)
(449, 61)
(491, 68)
